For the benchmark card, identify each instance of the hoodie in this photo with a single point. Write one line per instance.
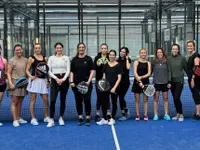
(99, 69)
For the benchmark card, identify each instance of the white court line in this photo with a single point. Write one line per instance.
(115, 137)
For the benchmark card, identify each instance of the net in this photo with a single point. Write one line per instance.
(70, 113)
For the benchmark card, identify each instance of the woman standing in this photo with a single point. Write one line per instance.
(3, 71)
(112, 74)
(99, 74)
(193, 79)
(59, 68)
(16, 70)
(161, 77)
(37, 85)
(178, 65)
(125, 64)
(82, 69)
(142, 72)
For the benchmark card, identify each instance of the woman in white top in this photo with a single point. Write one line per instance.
(59, 68)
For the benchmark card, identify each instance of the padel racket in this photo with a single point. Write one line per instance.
(41, 70)
(103, 60)
(82, 87)
(103, 85)
(20, 83)
(148, 89)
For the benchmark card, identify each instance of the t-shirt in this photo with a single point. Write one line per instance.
(18, 67)
(111, 73)
(124, 71)
(81, 68)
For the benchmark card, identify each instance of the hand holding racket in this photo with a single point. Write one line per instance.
(148, 89)
(20, 83)
(82, 87)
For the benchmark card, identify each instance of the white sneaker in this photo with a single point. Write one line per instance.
(102, 122)
(16, 123)
(1, 124)
(34, 122)
(61, 121)
(181, 118)
(46, 119)
(123, 118)
(111, 121)
(21, 120)
(51, 123)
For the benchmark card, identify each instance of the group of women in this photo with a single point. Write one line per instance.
(168, 73)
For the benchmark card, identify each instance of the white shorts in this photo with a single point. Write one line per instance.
(38, 85)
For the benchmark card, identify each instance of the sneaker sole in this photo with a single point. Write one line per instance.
(51, 126)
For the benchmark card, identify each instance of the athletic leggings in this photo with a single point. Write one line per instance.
(105, 103)
(55, 88)
(98, 93)
(176, 89)
(122, 93)
(195, 91)
(83, 98)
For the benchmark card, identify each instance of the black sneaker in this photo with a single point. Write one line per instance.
(80, 121)
(97, 118)
(196, 117)
(87, 122)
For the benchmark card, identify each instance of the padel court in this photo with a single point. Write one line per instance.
(126, 135)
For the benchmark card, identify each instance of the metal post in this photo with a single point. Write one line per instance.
(79, 20)
(44, 28)
(119, 23)
(5, 44)
(160, 23)
(105, 34)
(197, 34)
(37, 19)
(97, 35)
(82, 22)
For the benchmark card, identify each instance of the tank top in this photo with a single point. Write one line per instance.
(142, 69)
(34, 65)
(2, 67)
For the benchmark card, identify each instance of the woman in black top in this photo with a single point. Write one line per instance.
(82, 69)
(99, 74)
(193, 79)
(37, 85)
(125, 64)
(142, 72)
(112, 73)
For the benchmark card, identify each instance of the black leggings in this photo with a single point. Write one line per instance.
(195, 91)
(55, 88)
(80, 98)
(105, 103)
(122, 93)
(176, 89)
(98, 93)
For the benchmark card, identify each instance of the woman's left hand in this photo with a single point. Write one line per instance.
(192, 83)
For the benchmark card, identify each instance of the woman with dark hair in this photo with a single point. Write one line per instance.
(59, 69)
(112, 73)
(125, 64)
(99, 64)
(161, 77)
(16, 70)
(194, 79)
(37, 85)
(3, 72)
(142, 72)
(178, 65)
(82, 69)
